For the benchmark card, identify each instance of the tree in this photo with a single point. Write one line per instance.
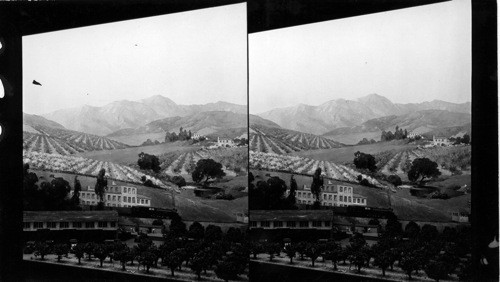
(122, 255)
(42, 249)
(198, 263)
(301, 249)
(174, 260)
(234, 235)
(196, 231)
(358, 257)
(60, 250)
(412, 229)
(77, 187)
(208, 169)
(466, 139)
(290, 251)
(364, 161)
(333, 253)
(313, 251)
(101, 252)
(226, 270)
(213, 233)
(436, 270)
(428, 233)
(256, 248)
(177, 228)
(293, 189)
(54, 194)
(148, 162)
(179, 181)
(423, 168)
(79, 251)
(89, 249)
(383, 260)
(316, 184)
(101, 185)
(409, 262)
(272, 249)
(147, 259)
(395, 180)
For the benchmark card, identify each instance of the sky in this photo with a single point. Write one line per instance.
(408, 55)
(193, 57)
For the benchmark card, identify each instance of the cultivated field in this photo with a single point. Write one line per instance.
(131, 155)
(65, 142)
(345, 154)
(282, 141)
(83, 166)
(296, 164)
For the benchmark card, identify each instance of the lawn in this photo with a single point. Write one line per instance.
(131, 155)
(138, 139)
(346, 154)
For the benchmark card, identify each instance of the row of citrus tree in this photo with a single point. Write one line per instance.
(438, 254)
(197, 248)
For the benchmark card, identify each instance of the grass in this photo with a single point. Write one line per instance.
(354, 138)
(131, 155)
(346, 154)
(138, 139)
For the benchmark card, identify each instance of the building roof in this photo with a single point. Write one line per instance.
(291, 215)
(143, 197)
(358, 196)
(57, 216)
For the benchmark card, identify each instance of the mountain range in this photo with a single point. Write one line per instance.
(126, 114)
(342, 114)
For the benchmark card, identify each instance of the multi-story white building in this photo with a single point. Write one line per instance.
(225, 142)
(60, 220)
(196, 136)
(437, 141)
(332, 195)
(115, 196)
(413, 135)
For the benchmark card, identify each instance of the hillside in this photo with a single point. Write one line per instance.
(342, 113)
(283, 141)
(124, 114)
(45, 136)
(421, 122)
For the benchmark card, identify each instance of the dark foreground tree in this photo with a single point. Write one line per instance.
(316, 184)
(364, 161)
(101, 185)
(290, 251)
(207, 169)
(436, 270)
(422, 168)
(60, 250)
(77, 187)
(174, 260)
(101, 252)
(42, 249)
(226, 270)
(79, 251)
(395, 180)
(148, 162)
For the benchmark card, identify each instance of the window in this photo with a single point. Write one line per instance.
(290, 224)
(51, 225)
(324, 196)
(327, 223)
(341, 189)
(93, 196)
(37, 225)
(330, 204)
(264, 223)
(316, 223)
(114, 198)
(77, 224)
(147, 202)
(63, 224)
(102, 224)
(349, 199)
(341, 198)
(133, 200)
(26, 225)
(89, 225)
(278, 224)
(119, 198)
(304, 223)
(109, 197)
(334, 197)
(330, 197)
(253, 223)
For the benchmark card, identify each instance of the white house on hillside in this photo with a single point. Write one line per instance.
(437, 141)
(225, 142)
(115, 196)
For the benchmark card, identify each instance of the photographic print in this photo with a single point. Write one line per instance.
(135, 147)
(360, 146)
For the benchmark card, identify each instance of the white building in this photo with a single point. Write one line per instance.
(438, 141)
(413, 135)
(225, 142)
(115, 196)
(332, 195)
(196, 136)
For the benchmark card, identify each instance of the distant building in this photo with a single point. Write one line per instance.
(115, 196)
(225, 142)
(413, 135)
(331, 195)
(242, 217)
(196, 136)
(460, 216)
(440, 141)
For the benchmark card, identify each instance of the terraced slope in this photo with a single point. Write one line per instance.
(283, 141)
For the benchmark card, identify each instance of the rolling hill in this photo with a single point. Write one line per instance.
(45, 136)
(125, 114)
(283, 141)
(421, 122)
(342, 113)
